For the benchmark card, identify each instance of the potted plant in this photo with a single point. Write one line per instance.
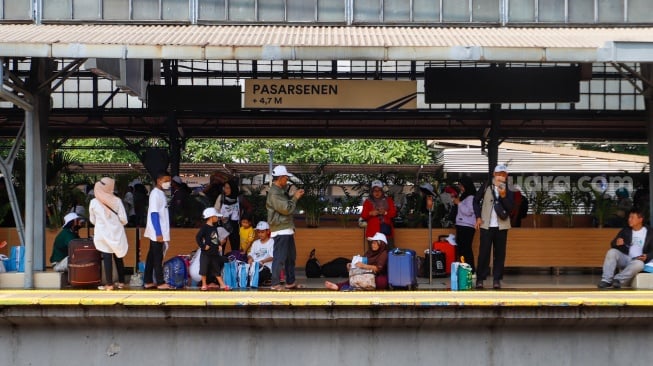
(603, 207)
(540, 202)
(566, 203)
(313, 203)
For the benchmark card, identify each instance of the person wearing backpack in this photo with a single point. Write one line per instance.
(492, 205)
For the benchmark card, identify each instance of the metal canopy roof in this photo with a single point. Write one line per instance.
(282, 42)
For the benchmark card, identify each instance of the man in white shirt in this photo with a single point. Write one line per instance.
(631, 249)
(158, 231)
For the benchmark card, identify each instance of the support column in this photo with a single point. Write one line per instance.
(495, 132)
(36, 128)
(647, 73)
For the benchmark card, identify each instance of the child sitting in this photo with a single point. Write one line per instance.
(261, 252)
(211, 240)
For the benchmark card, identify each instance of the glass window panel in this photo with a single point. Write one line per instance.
(627, 102)
(301, 10)
(211, 10)
(16, 9)
(271, 10)
(330, 11)
(115, 9)
(611, 11)
(521, 11)
(396, 10)
(455, 10)
(552, 11)
(485, 10)
(612, 102)
(583, 103)
(146, 9)
(639, 11)
(581, 11)
(57, 9)
(596, 102)
(85, 9)
(367, 10)
(426, 10)
(175, 9)
(242, 10)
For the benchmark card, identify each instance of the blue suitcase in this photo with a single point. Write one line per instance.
(402, 269)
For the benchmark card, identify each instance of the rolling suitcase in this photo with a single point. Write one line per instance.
(84, 263)
(402, 269)
(449, 253)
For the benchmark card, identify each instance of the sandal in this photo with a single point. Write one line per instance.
(294, 286)
(149, 286)
(120, 285)
(226, 288)
(105, 288)
(276, 288)
(165, 286)
(204, 288)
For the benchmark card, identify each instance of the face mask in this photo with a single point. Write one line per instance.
(165, 185)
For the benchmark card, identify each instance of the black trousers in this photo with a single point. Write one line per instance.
(154, 262)
(492, 239)
(108, 259)
(464, 239)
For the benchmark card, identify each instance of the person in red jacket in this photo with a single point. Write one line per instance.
(378, 211)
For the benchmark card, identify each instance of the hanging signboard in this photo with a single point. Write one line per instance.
(330, 94)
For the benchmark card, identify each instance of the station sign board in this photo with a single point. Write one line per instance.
(330, 94)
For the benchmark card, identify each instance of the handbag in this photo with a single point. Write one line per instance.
(362, 279)
(498, 207)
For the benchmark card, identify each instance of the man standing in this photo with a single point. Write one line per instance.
(631, 249)
(59, 258)
(492, 206)
(281, 207)
(158, 231)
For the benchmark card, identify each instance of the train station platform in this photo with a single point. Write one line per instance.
(565, 324)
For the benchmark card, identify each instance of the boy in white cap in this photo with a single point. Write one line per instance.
(492, 205)
(72, 222)
(211, 240)
(281, 208)
(262, 252)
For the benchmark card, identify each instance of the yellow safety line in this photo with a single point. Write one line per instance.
(326, 298)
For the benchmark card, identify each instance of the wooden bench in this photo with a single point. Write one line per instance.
(527, 247)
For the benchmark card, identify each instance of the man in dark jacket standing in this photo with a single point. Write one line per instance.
(281, 208)
(630, 250)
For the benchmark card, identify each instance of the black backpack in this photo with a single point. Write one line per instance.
(313, 269)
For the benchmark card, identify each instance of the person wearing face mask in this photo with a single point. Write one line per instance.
(211, 240)
(70, 231)
(157, 230)
(492, 205)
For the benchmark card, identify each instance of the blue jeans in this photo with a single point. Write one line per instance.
(284, 254)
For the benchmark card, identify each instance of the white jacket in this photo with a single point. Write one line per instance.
(109, 234)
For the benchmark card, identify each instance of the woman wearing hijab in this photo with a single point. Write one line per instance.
(377, 262)
(378, 211)
(107, 213)
(228, 204)
(465, 220)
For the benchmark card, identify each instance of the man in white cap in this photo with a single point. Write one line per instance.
(492, 205)
(281, 208)
(72, 222)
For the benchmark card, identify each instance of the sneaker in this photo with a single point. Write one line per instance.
(604, 284)
(479, 284)
(497, 284)
(616, 284)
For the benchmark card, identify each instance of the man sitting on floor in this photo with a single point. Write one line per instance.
(631, 249)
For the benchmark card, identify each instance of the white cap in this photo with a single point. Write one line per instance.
(451, 239)
(380, 237)
(210, 212)
(280, 170)
(428, 187)
(377, 183)
(70, 217)
(262, 225)
(177, 179)
(501, 168)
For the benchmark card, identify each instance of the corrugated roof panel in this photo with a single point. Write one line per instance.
(419, 43)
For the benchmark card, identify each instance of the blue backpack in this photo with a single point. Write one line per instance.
(175, 272)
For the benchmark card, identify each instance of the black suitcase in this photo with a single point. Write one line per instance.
(84, 263)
